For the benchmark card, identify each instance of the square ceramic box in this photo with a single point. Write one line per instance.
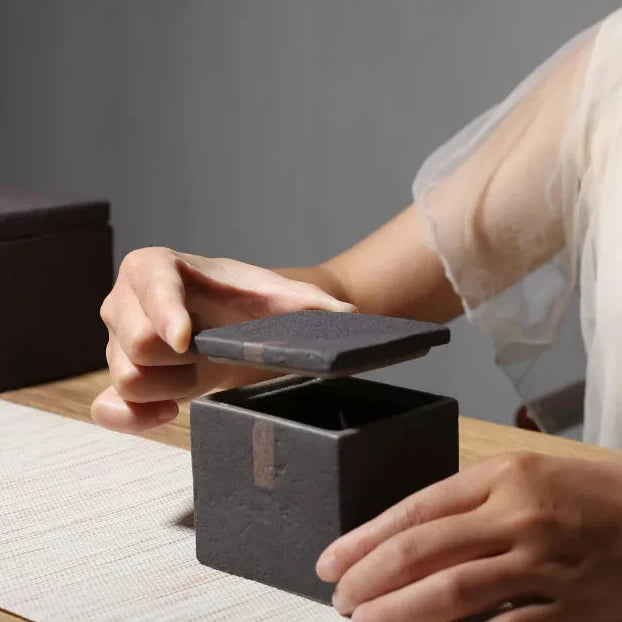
(284, 467)
(55, 270)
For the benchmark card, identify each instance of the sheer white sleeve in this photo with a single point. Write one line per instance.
(524, 208)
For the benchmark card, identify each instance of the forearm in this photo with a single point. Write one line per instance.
(391, 272)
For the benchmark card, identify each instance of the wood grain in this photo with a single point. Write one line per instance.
(72, 398)
(478, 439)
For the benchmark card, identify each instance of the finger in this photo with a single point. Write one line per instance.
(161, 293)
(111, 411)
(309, 296)
(533, 613)
(136, 383)
(460, 493)
(258, 291)
(209, 309)
(137, 337)
(452, 594)
(415, 553)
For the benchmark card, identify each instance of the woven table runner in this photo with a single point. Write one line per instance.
(96, 525)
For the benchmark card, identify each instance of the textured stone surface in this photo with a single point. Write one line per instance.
(321, 343)
(283, 468)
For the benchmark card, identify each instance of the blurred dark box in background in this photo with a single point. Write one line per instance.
(55, 270)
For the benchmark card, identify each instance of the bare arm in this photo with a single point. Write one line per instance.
(391, 272)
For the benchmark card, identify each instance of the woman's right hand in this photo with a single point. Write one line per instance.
(161, 297)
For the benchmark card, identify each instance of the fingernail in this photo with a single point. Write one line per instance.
(340, 604)
(348, 308)
(327, 568)
(167, 412)
(177, 335)
(335, 599)
(358, 616)
(343, 307)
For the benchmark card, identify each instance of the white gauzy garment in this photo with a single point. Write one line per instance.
(516, 265)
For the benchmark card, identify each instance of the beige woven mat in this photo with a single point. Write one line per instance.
(94, 526)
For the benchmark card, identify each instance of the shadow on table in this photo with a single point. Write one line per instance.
(185, 520)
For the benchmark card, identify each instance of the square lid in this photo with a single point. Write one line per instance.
(320, 343)
(28, 214)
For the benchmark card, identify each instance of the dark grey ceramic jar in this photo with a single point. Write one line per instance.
(283, 468)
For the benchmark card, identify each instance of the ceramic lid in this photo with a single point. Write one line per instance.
(320, 343)
(28, 214)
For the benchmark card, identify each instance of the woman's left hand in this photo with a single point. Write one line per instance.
(523, 527)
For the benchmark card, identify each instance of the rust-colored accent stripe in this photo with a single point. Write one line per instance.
(252, 352)
(263, 454)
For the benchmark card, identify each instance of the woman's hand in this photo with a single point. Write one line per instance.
(520, 527)
(159, 298)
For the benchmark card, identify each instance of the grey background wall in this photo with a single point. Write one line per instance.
(273, 131)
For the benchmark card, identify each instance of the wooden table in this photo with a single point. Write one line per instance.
(478, 439)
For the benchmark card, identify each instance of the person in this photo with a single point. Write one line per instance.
(520, 209)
